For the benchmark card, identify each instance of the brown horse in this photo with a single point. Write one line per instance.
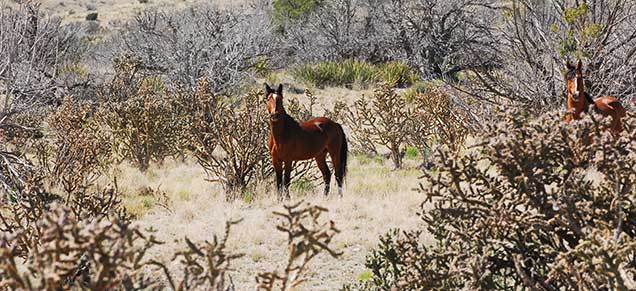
(579, 100)
(291, 141)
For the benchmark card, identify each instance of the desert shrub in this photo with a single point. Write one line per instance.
(34, 48)
(203, 41)
(21, 215)
(384, 119)
(537, 204)
(440, 121)
(16, 136)
(529, 71)
(76, 151)
(142, 116)
(337, 113)
(307, 237)
(439, 38)
(70, 253)
(336, 30)
(356, 72)
(230, 138)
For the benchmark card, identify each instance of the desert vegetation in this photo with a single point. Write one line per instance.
(133, 154)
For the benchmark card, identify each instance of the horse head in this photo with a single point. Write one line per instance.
(575, 84)
(275, 102)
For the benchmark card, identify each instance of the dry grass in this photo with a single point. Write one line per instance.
(375, 200)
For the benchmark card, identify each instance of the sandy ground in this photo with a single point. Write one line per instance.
(376, 199)
(112, 11)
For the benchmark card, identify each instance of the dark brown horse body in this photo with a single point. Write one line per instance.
(291, 141)
(579, 101)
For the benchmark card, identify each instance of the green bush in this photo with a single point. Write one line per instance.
(353, 72)
(411, 152)
(285, 10)
(397, 73)
(331, 73)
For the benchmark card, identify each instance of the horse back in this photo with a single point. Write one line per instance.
(609, 105)
(319, 125)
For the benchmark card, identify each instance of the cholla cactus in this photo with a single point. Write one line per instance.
(146, 123)
(307, 237)
(438, 120)
(538, 204)
(77, 150)
(230, 141)
(205, 265)
(103, 254)
(383, 119)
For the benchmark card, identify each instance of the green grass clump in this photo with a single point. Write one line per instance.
(353, 72)
(365, 276)
(411, 152)
(397, 73)
(302, 186)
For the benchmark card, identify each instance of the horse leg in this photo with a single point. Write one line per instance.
(278, 168)
(334, 152)
(324, 169)
(288, 169)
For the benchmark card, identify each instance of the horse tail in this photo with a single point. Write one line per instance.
(344, 152)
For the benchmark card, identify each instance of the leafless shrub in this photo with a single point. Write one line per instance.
(104, 254)
(440, 38)
(307, 237)
(523, 209)
(383, 119)
(33, 49)
(76, 151)
(536, 39)
(184, 46)
(143, 118)
(338, 29)
(14, 168)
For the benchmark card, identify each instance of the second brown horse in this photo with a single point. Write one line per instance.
(579, 100)
(291, 141)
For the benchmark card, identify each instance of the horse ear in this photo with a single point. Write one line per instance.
(280, 90)
(569, 65)
(268, 89)
(579, 65)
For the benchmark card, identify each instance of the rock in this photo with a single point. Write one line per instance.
(91, 16)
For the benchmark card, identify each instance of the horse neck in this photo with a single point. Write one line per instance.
(281, 127)
(579, 105)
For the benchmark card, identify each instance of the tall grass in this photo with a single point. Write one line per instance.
(355, 73)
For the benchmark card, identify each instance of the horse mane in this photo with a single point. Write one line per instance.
(588, 97)
(291, 120)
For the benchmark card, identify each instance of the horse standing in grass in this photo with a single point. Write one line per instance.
(291, 141)
(579, 100)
